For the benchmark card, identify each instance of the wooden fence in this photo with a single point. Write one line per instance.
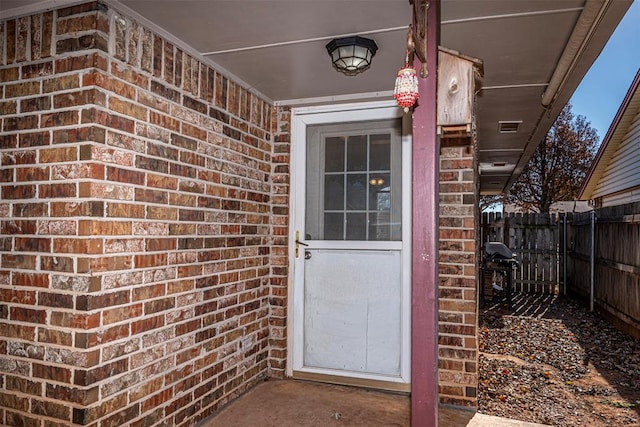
(605, 262)
(593, 255)
(537, 241)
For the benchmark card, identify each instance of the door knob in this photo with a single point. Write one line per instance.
(298, 243)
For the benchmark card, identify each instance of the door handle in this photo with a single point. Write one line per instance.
(298, 243)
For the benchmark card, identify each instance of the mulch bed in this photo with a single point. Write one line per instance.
(555, 363)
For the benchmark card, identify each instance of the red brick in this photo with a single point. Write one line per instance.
(80, 62)
(18, 296)
(22, 314)
(79, 98)
(164, 121)
(79, 134)
(120, 314)
(147, 324)
(72, 394)
(29, 105)
(131, 74)
(58, 155)
(112, 121)
(92, 302)
(76, 24)
(22, 89)
(125, 176)
(91, 339)
(32, 244)
(61, 190)
(51, 372)
(23, 385)
(75, 320)
(53, 336)
(36, 173)
(9, 74)
(85, 377)
(82, 42)
(148, 292)
(62, 83)
(92, 208)
(26, 262)
(125, 210)
(128, 108)
(98, 228)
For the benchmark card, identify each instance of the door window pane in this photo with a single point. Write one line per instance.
(334, 192)
(380, 192)
(354, 182)
(356, 226)
(357, 192)
(334, 154)
(380, 153)
(333, 226)
(379, 227)
(357, 153)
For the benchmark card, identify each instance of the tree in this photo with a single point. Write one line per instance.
(490, 201)
(559, 165)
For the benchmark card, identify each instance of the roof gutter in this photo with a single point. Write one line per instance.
(585, 43)
(587, 24)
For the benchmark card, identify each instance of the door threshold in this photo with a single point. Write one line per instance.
(354, 382)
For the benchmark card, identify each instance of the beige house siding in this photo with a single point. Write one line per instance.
(620, 181)
(614, 177)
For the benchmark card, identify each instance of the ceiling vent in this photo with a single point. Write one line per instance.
(509, 127)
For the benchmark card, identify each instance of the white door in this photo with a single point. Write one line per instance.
(351, 233)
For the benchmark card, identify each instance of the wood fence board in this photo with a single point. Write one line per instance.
(535, 240)
(617, 260)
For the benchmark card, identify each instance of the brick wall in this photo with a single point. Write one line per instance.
(457, 323)
(144, 212)
(140, 235)
(279, 280)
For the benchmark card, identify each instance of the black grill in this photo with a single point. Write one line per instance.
(499, 262)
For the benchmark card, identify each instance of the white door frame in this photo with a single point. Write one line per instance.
(300, 119)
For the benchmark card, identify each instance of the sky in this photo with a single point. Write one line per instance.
(603, 88)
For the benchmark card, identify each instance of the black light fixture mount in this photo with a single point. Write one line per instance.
(351, 55)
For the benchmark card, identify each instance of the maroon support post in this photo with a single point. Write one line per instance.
(424, 295)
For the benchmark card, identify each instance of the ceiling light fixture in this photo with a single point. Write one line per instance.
(351, 55)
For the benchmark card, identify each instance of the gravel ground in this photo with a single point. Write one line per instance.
(561, 366)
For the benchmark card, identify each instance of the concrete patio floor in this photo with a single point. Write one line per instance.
(290, 403)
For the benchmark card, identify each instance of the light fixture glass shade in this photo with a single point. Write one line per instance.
(351, 55)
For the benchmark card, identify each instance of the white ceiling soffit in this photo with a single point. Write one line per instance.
(532, 50)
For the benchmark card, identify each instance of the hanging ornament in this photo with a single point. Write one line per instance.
(406, 88)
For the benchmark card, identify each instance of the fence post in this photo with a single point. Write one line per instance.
(564, 255)
(592, 261)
